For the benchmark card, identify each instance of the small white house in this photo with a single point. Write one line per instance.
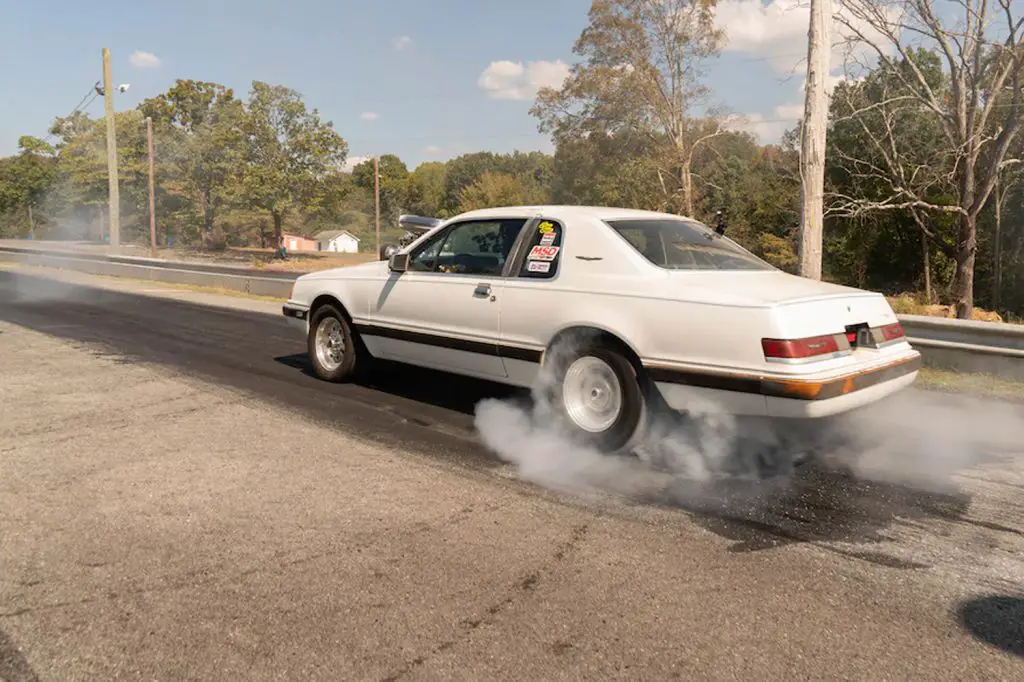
(341, 241)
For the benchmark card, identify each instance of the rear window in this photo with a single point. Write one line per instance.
(679, 244)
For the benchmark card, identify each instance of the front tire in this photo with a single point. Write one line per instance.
(597, 395)
(333, 348)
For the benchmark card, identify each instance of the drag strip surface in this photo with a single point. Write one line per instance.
(163, 524)
(401, 406)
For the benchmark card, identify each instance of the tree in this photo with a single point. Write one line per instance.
(978, 111)
(426, 189)
(199, 127)
(26, 178)
(394, 185)
(641, 71)
(289, 152)
(501, 189)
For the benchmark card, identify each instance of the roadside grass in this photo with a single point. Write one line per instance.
(913, 304)
(969, 383)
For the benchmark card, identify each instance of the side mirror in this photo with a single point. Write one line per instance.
(398, 262)
(387, 250)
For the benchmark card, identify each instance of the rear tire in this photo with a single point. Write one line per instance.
(596, 395)
(334, 350)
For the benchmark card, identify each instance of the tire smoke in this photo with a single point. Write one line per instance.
(707, 457)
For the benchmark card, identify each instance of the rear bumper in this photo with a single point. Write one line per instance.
(802, 398)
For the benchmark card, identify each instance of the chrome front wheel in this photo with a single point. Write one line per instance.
(330, 343)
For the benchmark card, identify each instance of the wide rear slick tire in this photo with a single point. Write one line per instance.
(596, 395)
(334, 350)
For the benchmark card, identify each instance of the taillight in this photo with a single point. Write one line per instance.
(795, 349)
(891, 332)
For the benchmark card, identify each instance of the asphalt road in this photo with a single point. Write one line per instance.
(179, 499)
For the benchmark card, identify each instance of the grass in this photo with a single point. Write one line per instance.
(911, 304)
(970, 383)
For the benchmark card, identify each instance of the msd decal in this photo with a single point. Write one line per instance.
(546, 253)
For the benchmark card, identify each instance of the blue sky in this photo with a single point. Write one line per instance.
(412, 66)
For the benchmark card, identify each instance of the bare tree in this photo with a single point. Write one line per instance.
(976, 106)
(641, 71)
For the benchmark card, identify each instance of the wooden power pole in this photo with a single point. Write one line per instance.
(114, 198)
(152, 190)
(376, 199)
(812, 140)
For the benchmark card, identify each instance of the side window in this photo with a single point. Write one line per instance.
(425, 258)
(543, 251)
(479, 247)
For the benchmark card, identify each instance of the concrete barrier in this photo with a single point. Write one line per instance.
(961, 345)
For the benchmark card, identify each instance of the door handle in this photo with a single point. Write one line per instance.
(482, 289)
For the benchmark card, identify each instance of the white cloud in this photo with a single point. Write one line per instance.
(432, 150)
(402, 42)
(777, 32)
(369, 116)
(768, 130)
(144, 60)
(353, 161)
(511, 80)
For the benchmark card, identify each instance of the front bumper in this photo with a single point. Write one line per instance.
(297, 314)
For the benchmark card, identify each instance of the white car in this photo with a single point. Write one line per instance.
(621, 307)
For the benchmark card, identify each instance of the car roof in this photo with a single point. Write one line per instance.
(567, 212)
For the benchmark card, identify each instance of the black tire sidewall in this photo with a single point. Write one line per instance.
(347, 367)
(617, 436)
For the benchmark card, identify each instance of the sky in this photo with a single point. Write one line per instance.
(423, 79)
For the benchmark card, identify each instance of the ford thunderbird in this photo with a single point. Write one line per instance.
(619, 307)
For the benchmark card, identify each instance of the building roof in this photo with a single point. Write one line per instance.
(329, 235)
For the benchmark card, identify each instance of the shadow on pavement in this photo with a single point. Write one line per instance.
(449, 391)
(13, 665)
(995, 620)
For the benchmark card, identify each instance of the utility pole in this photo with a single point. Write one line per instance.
(114, 199)
(376, 199)
(812, 140)
(152, 191)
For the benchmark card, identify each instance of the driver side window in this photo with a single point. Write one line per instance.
(478, 247)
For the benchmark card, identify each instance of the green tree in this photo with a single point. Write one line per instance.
(501, 189)
(199, 128)
(394, 185)
(640, 71)
(977, 106)
(26, 178)
(290, 152)
(426, 189)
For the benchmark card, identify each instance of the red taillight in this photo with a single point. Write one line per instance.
(891, 332)
(851, 337)
(800, 348)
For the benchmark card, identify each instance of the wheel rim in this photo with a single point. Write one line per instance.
(330, 344)
(592, 394)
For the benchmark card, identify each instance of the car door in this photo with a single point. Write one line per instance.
(444, 310)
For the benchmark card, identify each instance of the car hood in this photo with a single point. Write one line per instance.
(346, 271)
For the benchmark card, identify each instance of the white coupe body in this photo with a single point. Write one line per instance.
(486, 293)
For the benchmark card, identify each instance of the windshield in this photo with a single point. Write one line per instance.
(679, 244)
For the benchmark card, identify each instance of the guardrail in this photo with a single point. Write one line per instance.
(962, 345)
(244, 280)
